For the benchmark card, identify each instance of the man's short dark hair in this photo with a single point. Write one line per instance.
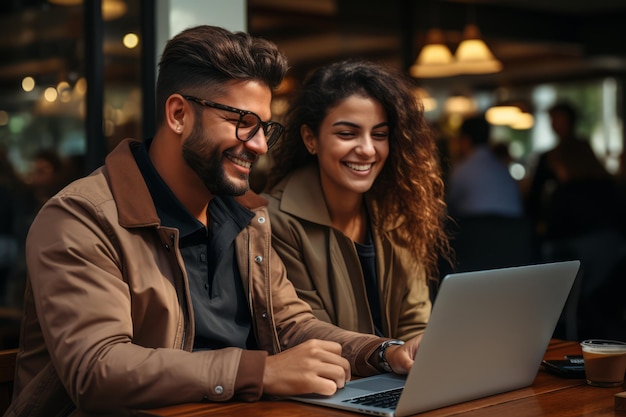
(208, 57)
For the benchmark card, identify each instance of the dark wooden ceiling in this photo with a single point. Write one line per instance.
(537, 40)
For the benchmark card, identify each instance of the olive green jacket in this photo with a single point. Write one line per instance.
(324, 266)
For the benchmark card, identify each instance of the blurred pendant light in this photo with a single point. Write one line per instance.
(111, 9)
(429, 103)
(473, 55)
(512, 113)
(503, 114)
(460, 105)
(524, 121)
(435, 59)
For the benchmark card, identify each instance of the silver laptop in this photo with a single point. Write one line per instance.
(487, 334)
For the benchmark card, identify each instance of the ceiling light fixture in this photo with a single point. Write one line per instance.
(473, 55)
(512, 114)
(111, 9)
(435, 59)
(429, 103)
(502, 115)
(524, 121)
(460, 105)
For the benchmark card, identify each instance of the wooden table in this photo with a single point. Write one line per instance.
(548, 396)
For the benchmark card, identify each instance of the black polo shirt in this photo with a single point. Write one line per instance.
(221, 313)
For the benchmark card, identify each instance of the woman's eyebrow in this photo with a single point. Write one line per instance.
(351, 124)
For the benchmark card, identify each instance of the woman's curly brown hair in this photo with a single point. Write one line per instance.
(409, 190)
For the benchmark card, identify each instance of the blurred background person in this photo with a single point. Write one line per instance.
(12, 195)
(577, 212)
(46, 177)
(8, 242)
(572, 157)
(487, 225)
(12, 192)
(480, 183)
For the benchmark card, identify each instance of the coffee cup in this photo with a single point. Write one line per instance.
(605, 362)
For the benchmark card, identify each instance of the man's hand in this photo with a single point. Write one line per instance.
(313, 367)
(400, 358)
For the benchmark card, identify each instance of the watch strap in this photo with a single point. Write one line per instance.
(382, 359)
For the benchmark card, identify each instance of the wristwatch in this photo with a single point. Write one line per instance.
(382, 360)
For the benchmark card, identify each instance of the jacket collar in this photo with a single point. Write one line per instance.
(303, 196)
(133, 199)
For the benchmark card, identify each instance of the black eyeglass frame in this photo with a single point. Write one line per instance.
(272, 130)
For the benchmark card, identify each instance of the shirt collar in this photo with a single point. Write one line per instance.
(170, 210)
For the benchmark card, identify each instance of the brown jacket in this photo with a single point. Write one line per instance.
(108, 325)
(324, 266)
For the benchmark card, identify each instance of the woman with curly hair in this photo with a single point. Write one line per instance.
(356, 200)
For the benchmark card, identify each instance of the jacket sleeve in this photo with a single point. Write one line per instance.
(86, 310)
(295, 324)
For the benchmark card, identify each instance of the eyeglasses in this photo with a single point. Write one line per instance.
(248, 123)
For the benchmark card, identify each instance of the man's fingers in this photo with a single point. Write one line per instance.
(314, 366)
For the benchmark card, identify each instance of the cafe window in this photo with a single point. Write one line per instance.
(43, 83)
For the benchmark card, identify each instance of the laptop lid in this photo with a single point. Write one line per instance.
(487, 334)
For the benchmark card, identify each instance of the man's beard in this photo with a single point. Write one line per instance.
(205, 159)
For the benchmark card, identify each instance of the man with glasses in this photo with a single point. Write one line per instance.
(152, 281)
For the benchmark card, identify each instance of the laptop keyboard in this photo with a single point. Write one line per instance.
(386, 399)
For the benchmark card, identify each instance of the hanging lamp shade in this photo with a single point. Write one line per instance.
(435, 59)
(512, 114)
(473, 55)
(501, 115)
(524, 121)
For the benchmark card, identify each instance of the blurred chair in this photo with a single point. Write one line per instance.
(10, 319)
(596, 307)
(7, 375)
(491, 241)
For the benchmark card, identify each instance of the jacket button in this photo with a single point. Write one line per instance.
(264, 315)
(258, 258)
(261, 220)
(219, 389)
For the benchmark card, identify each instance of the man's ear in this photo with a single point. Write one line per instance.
(178, 113)
(309, 139)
